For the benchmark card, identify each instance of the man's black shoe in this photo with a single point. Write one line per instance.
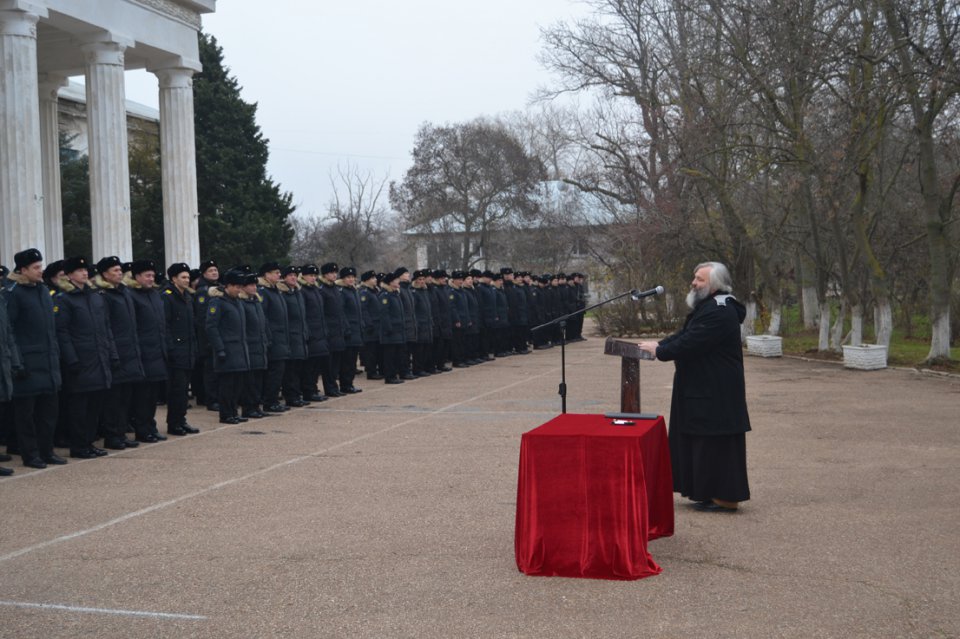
(408, 376)
(375, 377)
(316, 397)
(5, 472)
(131, 443)
(99, 452)
(230, 420)
(274, 408)
(298, 403)
(392, 380)
(253, 414)
(190, 429)
(160, 437)
(461, 366)
(114, 444)
(83, 453)
(352, 390)
(444, 369)
(214, 407)
(177, 430)
(34, 462)
(56, 460)
(148, 439)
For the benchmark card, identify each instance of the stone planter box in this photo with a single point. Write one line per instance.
(868, 357)
(765, 345)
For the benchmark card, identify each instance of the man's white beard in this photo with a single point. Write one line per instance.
(697, 295)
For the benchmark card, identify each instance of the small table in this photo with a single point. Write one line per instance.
(590, 495)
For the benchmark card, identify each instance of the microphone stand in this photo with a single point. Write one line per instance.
(562, 322)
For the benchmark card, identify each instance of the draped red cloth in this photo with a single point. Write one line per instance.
(590, 495)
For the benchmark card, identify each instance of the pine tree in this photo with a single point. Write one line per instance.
(244, 217)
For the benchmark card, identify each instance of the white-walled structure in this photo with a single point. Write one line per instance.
(43, 42)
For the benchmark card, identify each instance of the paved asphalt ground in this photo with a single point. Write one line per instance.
(391, 514)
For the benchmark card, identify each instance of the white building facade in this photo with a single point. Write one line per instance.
(44, 42)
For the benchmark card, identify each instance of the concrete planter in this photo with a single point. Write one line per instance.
(868, 357)
(765, 345)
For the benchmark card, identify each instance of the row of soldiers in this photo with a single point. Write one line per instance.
(250, 344)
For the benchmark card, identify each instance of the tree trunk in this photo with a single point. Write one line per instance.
(883, 324)
(776, 314)
(810, 306)
(836, 332)
(824, 342)
(747, 327)
(856, 325)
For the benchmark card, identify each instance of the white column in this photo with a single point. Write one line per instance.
(50, 85)
(21, 195)
(109, 162)
(178, 164)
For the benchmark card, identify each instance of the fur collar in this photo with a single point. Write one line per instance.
(130, 282)
(250, 298)
(343, 284)
(305, 283)
(283, 287)
(99, 282)
(19, 279)
(65, 285)
(215, 291)
(265, 284)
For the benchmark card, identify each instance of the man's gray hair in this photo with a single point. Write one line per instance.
(720, 279)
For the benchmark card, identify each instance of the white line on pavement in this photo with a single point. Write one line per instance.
(102, 611)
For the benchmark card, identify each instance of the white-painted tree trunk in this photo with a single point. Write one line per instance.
(883, 322)
(776, 315)
(747, 327)
(856, 325)
(940, 337)
(810, 305)
(836, 331)
(824, 342)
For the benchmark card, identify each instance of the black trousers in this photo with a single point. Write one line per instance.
(441, 352)
(331, 374)
(392, 360)
(84, 417)
(372, 356)
(116, 414)
(273, 381)
(252, 393)
(143, 408)
(422, 357)
(313, 367)
(406, 358)
(348, 366)
(472, 346)
(178, 380)
(210, 377)
(196, 383)
(292, 374)
(35, 419)
(487, 341)
(458, 346)
(519, 334)
(229, 386)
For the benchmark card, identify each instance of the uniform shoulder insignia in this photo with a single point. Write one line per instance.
(56, 309)
(451, 295)
(385, 301)
(213, 310)
(202, 299)
(168, 292)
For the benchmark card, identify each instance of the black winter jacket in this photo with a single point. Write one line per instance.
(180, 328)
(226, 327)
(122, 315)
(151, 330)
(333, 316)
(37, 352)
(316, 323)
(275, 310)
(87, 351)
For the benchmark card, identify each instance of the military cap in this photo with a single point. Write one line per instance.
(176, 269)
(521, 273)
(506, 270)
(72, 264)
(249, 278)
(475, 272)
(206, 265)
(28, 257)
(423, 272)
(440, 273)
(347, 271)
(266, 267)
(310, 269)
(126, 266)
(243, 268)
(367, 275)
(139, 266)
(329, 267)
(52, 269)
(389, 277)
(234, 276)
(195, 274)
(4, 271)
(487, 274)
(457, 275)
(287, 270)
(401, 270)
(496, 276)
(108, 263)
(560, 276)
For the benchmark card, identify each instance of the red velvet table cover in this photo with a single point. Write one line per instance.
(590, 495)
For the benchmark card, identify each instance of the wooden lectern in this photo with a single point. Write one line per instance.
(630, 356)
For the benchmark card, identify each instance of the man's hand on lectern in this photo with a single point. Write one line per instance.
(649, 347)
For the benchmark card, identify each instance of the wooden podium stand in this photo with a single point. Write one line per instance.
(630, 356)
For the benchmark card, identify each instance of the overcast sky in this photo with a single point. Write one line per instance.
(340, 82)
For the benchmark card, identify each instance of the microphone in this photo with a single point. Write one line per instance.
(639, 295)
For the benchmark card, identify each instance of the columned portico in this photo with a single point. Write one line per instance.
(21, 194)
(109, 160)
(178, 164)
(44, 42)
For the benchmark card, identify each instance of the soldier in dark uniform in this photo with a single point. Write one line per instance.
(258, 343)
(460, 320)
(424, 318)
(410, 323)
(392, 328)
(35, 361)
(487, 297)
(8, 350)
(87, 354)
(580, 297)
(502, 333)
(226, 328)
(298, 335)
(150, 316)
(209, 277)
(517, 312)
(443, 320)
(371, 355)
(336, 323)
(122, 314)
(275, 310)
(181, 337)
(539, 338)
(474, 352)
(353, 329)
(318, 352)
